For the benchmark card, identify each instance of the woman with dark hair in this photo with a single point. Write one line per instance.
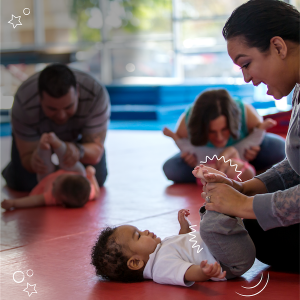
(263, 39)
(214, 124)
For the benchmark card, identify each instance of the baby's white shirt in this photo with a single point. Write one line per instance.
(173, 256)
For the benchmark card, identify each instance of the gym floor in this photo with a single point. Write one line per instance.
(46, 251)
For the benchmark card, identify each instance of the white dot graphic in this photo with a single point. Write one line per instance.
(15, 279)
(28, 10)
(29, 273)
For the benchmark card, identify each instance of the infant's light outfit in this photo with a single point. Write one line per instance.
(173, 256)
(223, 239)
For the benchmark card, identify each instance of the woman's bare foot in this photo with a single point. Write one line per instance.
(7, 204)
(54, 141)
(267, 124)
(44, 142)
(171, 134)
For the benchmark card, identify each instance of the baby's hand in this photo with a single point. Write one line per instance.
(212, 270)
(7, 204)
(184, 221)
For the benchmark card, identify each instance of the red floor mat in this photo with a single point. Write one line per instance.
(55, 242)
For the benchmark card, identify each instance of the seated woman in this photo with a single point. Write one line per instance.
(214, 123)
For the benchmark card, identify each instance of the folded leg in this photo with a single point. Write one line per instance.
(228, 241)
(44, 152)
(77, 167)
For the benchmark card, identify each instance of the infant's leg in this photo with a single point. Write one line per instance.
(228, 241)
(60, 151)
(44, 152)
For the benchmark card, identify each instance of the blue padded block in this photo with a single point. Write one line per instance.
(133, 94)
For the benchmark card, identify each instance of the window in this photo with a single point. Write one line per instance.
(128, 40)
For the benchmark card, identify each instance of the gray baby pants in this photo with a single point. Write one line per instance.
(228, 241)
(45, 155)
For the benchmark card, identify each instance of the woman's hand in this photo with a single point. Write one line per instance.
(225, 199)
(190, 159)
(251, 153)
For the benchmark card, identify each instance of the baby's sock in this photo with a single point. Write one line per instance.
(77, 167)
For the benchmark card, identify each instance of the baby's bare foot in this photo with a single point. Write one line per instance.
(90, 171)
(44, 142)
(199, 171)
(267, 124)
(6, 204)
(54, 141)
(169, 133)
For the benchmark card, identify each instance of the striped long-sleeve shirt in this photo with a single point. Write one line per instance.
(281, 206)
(92, 116)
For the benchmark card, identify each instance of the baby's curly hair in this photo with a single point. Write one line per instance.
(110, 261)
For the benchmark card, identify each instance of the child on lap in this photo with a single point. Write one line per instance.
(234, 153)
(70, 187)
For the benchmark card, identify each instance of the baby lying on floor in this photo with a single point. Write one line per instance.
(69, 187)
(127, 254)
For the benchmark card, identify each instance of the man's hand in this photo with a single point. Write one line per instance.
(72, 155)
(184, 221)
(212, 270)
(190, 159)
(37, 164)
(250, 154)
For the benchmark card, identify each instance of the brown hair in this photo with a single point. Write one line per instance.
(208, 106)
(75, 189)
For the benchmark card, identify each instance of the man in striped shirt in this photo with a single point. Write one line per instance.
(70, 103)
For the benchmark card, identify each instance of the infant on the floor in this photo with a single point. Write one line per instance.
(127, 254)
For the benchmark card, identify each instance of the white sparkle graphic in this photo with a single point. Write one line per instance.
(229, 160)
(193, 237)
(12, 19)
(30, 292)
(254, 287)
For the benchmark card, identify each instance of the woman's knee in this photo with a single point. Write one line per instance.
(178, 171)
(168, 169)
(267, 158)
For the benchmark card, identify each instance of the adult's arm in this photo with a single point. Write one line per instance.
(181, 130)
(274, 209)
(94, 130)
(279, 177)
(29, 157)
(93, 144)
(281, 207)
(253, 139)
